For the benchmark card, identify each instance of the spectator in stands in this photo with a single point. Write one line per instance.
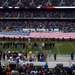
(21, 69)
(14, 72)
(27, 65)
(50, 72)
(8, 70)
(73, 71)
(43, 71)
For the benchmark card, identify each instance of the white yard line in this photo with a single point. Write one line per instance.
(23, 50)
(72, 46)
(7, 49)
(57, 48)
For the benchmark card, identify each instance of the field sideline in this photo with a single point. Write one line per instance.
(61, 47)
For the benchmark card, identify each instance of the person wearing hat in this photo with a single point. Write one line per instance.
(30, 52)
(10, 58)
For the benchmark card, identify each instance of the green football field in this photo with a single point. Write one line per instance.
(61, 47)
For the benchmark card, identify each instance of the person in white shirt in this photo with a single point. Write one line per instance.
(42, 44)
(33, 72)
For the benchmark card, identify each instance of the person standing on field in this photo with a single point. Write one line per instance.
(72, 56)
(55, 56)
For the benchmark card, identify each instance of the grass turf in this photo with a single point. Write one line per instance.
(61, 47)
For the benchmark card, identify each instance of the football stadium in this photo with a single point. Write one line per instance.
(37, 37)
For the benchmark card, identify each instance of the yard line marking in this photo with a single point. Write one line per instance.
(72, 46)
(57, 48)
(7, 49)
(23, 50)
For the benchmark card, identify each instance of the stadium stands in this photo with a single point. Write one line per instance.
(30, 68)
(38, 24)
(28, 3)
(37, 14)
(17, 22)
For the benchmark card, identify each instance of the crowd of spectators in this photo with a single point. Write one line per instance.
(16, 65)
(62, 2)
(29, 3)
(34, 24)
(37, 13)
(48, 14)
(69, 3)
(31, 70)
(9, 14)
